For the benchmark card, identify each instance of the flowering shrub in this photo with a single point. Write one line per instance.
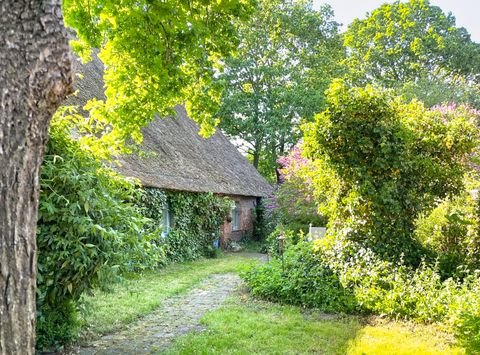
(295, 206)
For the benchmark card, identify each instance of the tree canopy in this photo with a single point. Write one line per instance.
(287, 55)
(410, 43)
(156, 55)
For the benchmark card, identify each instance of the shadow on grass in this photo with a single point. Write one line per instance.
(246, 326)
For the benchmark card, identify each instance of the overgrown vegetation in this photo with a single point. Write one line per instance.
(386, 176)
(95, 225)
(402, 230)
(341, 276)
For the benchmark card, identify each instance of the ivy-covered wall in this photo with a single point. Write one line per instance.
(196, 221)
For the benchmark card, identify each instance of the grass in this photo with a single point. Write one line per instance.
(253, 327)
(247, 326)
(136, 297)
(402, 339)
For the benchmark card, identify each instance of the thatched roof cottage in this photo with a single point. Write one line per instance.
(182, 160)
(185, 161)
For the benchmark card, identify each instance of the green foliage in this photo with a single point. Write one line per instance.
(197, 218)
(307, 281)
(452, 231)
(262, 221)
(152, 203)
(95, 225)
(437, 90)
(57, 325)
(287, 55)
(88, 230)
(382, 161)
(342, 275)
(156, 54)
(467, 322)
(406, 41)
(415, 48)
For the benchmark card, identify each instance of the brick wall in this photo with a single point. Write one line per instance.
(247, 207)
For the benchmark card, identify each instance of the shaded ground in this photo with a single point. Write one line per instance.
(177, 316)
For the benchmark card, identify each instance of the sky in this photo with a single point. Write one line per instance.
(465, 11)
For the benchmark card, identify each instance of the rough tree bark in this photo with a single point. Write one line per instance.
(35, 77)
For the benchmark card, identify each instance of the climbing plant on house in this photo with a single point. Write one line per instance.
(196, 220)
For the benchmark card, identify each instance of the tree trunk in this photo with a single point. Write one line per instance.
(35, 77)
(257, 149)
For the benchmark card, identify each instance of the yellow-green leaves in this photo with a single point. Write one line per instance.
(403, 42)
(381, 161)
(157, 54)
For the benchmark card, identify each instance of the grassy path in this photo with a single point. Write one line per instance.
(179, 311)
(177, 316)
(139, 296)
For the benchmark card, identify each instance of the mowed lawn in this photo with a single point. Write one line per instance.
(247, 326)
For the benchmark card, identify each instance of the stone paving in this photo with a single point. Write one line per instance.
(177, 316)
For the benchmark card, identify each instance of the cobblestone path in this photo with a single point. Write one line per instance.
(177, 315)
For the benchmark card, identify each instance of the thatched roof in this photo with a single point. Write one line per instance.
(181, 159)
(186, 161)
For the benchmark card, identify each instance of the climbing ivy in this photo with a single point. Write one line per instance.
(197, 218)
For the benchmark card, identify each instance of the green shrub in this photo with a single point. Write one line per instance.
(451, 230)
(88, 232)
(382, 162)
(57, 325)
(262, 222)
(344, 276)
(302, 279)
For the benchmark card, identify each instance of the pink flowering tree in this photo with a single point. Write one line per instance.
(294, 201)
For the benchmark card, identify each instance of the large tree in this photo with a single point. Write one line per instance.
(156, 54)
(35, 77)
(415, 44)
(287, 55)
